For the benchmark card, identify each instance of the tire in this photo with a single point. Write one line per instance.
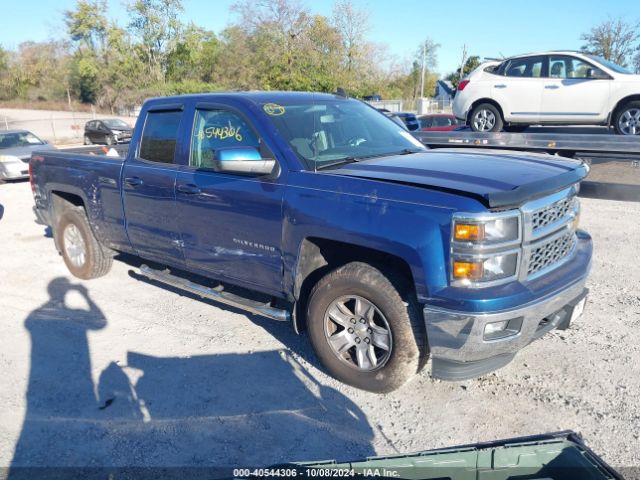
(82, 253)
(383, 309)
(87, 140)
(486, 118)
(108, 140)
(515, 128)
(626, 120)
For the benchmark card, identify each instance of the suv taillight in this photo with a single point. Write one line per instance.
(462, 84)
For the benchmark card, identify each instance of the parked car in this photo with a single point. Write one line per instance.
(372, 98)
(108, 131)
(15, 152)
(340, 222)
(439, 122)
(409, 119)
(549, 88)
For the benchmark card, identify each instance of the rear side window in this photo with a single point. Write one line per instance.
(525, 67)
(159, 136)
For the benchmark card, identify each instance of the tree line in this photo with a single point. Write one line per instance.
(271, 45)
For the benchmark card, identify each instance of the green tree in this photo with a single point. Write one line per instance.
(614, 39)
(194, 55)
(87, 25)
(470, 65)
(156, 25)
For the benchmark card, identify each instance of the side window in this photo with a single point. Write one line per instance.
(215, 129)
(530, 67)
(571, 67)
(159, 136)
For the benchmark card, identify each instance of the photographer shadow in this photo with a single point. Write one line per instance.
(229, 409)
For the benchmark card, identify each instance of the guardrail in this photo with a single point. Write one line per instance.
(614, 160)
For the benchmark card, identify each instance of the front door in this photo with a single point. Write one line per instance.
(575, 91)
(148, 183)
(231, 224)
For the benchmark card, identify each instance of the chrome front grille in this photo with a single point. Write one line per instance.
(549, 237)
(549, 254)
(552, 213)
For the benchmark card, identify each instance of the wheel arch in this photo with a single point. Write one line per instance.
(318, 256)
(619, 104)
(480, 101)
(59, 200)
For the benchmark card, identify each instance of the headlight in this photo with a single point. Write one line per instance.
(490, 230)
(9, 159)
(473, 269)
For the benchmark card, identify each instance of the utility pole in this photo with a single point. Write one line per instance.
(464, 59)
(423, 68)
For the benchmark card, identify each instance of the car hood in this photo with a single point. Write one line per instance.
(25, 152)
(498, 178)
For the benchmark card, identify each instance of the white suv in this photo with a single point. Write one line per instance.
(561, 88)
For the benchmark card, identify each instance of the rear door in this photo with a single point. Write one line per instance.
(575, 91)
(519, 91)
(149, 178)
(231, 224)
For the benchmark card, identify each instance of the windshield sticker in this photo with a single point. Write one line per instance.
(221, 133)
(273, 109)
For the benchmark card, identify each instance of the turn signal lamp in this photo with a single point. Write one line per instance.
(468, 270)
(469, 232)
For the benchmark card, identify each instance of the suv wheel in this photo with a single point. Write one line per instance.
(486, 118)
(363, 330)
(627, 119)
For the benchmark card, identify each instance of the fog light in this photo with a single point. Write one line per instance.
(503, 328)
(492, 328)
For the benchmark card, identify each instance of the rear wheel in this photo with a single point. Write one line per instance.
(486, 118)
(365, 332)
(627, 119)
(82, 253)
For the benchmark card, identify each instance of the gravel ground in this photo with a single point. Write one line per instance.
(119, 372)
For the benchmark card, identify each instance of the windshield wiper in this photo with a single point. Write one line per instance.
(342, 161)
(409, 151)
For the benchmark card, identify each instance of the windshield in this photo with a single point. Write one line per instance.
(335, 131)
(19, 139)
(610, 65)
(115, 123)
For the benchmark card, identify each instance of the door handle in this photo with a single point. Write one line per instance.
(133, 181)
(500, 85)
(551, 87)
(189, 189)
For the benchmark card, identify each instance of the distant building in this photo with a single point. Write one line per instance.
(444, 91)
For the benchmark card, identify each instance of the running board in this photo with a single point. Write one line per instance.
(221, 296)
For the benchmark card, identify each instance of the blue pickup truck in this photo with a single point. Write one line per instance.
(329, 215)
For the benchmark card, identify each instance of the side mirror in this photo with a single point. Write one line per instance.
(243, 160)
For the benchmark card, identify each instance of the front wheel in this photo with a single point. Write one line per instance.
(365, 332)
(87, 140)
(486, 118)
(627, 119)
(109, 140)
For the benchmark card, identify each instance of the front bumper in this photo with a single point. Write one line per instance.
(14, 170)
(457, 339)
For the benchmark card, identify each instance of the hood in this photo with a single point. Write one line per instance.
(25, 151)
(498, 178)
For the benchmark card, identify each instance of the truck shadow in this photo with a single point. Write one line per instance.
(228, 409)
